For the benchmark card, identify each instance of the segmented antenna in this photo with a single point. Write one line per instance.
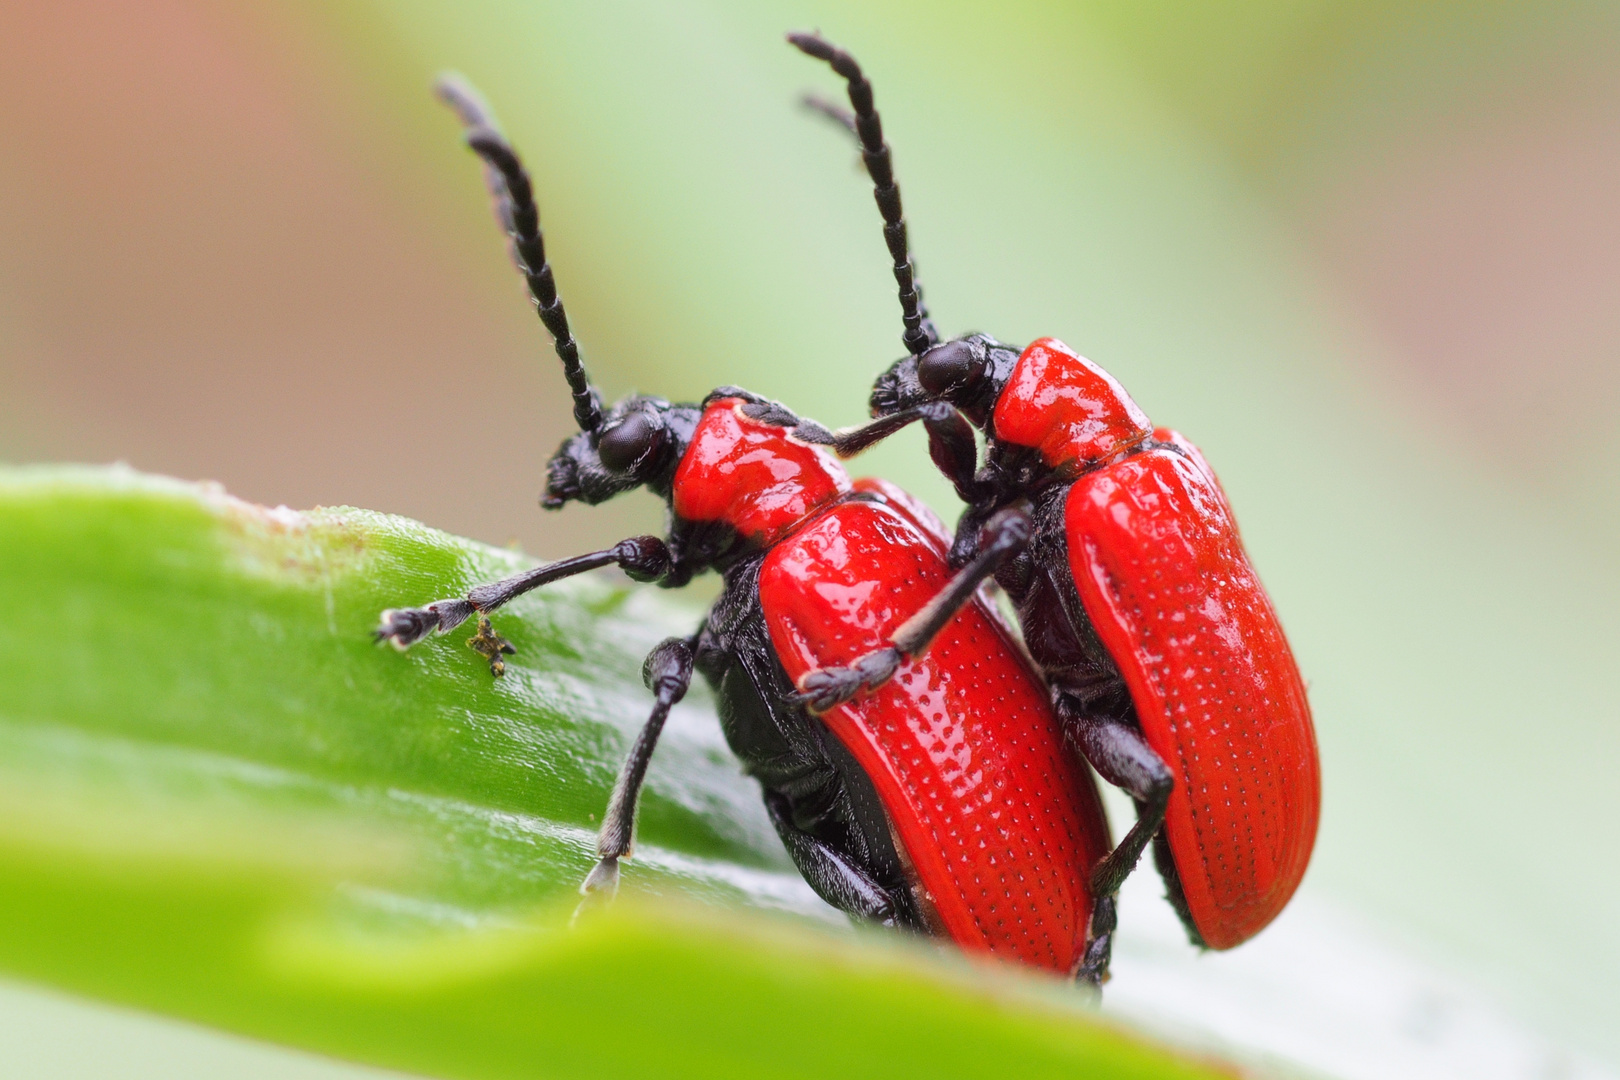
(518, 215)
(920, 332)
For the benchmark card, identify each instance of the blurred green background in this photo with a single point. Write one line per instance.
(1366, 255)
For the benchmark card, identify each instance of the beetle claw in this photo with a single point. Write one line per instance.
(1092, 970)
(404, 627)
(602, 882)
(598, 889)
(828, 687)
(824, 688)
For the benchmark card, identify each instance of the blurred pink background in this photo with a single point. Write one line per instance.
(224, 252)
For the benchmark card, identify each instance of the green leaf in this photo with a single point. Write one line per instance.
(220, 800)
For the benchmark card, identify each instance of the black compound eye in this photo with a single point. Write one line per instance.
(955, 365)
(626, 443)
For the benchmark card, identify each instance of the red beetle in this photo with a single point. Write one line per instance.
(1114, 540)
(946, 802)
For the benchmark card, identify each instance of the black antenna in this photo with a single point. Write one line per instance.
(509, 185)
(920, 332)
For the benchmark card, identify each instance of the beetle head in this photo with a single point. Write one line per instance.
(968, 372)
(638, 444)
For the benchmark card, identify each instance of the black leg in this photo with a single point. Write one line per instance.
(847, 442)
(1093, 967)
(955, 453)
(834, 877)
(668, 674)
(644, 558)
(951, 443)
(1123, 758)
(868, 127)
(1005, 535)
(1173, 891)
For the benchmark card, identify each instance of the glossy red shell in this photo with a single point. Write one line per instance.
(1068, 408)
(752, 475)
(1162, 573)
(921, 514)
(996, 814)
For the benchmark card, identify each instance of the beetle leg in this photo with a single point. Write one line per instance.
(1005, 535)
(951, 442)
(668, 674)
(1123, 758)
(1092, 970)
(830, 872)
(1166, 863)
(955, 452)
(644, 558)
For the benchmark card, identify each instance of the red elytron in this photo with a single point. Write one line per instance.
(998, 818)
(1165, 659)
(1163, 577)
(946, 802)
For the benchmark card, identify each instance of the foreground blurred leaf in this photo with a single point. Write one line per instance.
(219, 800)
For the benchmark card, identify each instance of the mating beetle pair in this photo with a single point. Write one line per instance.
(919, 770)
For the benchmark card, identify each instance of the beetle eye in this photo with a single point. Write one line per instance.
(955, 365)
(622, 446)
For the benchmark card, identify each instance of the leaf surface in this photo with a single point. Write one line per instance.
(220, 800)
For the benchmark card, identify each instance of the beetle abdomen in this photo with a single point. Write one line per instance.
(1000, 821)
(1163, 575)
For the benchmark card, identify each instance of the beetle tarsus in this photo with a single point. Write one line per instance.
(1092, 970)
(1122, 757)
(598, 889)
(822, 690)
(603, 881)
(668, 674)
(1165, 862)
(643, 558)
(404, 627)
(1004, 535)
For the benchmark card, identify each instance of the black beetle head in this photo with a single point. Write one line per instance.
(968, 372)
(639, 444)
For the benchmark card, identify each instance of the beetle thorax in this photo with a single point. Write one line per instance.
(752, 475)
(1072, 411)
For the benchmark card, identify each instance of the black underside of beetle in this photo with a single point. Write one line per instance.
(820, 800)
(1088, 691)
(1057, 631)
